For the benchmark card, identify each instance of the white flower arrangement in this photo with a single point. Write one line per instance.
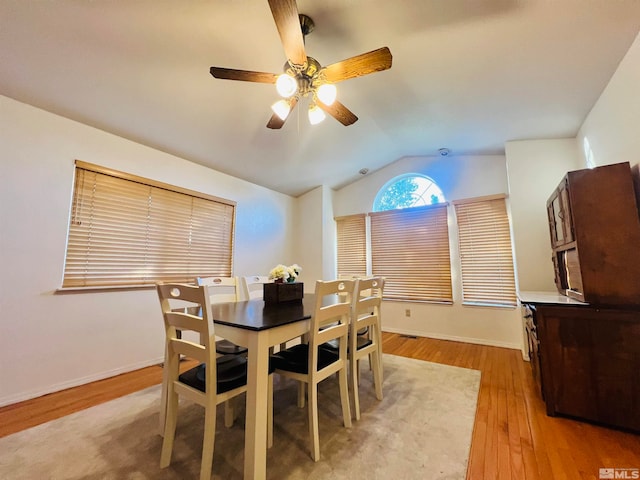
(284, 273)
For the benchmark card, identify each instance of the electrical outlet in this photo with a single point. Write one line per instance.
(407, 313)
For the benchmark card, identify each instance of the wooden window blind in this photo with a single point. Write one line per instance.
(352, 246)
(486, 255)
(410, 248)
(129, 231)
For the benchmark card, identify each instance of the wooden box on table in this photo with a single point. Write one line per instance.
(283, 292)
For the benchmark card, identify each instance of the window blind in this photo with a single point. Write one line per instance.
(486, 255)
(410, 248)
(129, 231)
(352, 246)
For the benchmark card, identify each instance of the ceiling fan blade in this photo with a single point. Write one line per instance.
(275, 122)
(244, 75)
(285, 14)
(339, 112)
(370, 62)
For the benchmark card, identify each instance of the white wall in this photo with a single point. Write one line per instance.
(308, 237)
(315, 234)
(329, 235)
(51, 341)
(613, 125)
(459, 177)
(535, 168)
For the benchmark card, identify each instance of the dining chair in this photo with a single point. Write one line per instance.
(365, 314)
(223, 289)
(365, 337)
(377, 291)
(253, 286)
(310, 364)
(215, 380)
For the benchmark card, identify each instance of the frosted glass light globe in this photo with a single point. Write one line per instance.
(286, 85)
(281, 108)
(327, 93)
(315, 115)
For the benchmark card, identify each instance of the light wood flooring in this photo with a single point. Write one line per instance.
(513, 437)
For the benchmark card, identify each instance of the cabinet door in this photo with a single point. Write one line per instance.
(616, 362)
(559, 213)
(590, 362)
(565, 213)
(565, 354)
(554, 212)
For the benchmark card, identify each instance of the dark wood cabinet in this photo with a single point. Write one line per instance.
(595, 236)
(587, 362)
(584, 344)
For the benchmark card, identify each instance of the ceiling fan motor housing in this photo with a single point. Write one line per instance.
(307, 78)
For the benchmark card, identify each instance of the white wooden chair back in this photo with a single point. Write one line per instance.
(331, 316)
(221, 289)
(365, 317)
(366, 307)
(253, 286)
(196, 318)
(378, 288)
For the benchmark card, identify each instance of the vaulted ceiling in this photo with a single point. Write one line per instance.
(467, 75)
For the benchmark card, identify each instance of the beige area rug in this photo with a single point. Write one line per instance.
(420, 430)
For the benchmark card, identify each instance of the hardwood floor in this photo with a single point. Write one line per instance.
(513, 437)
(23, 415)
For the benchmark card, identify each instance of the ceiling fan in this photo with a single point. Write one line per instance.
(304, 76)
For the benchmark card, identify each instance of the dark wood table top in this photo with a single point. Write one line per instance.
(255, 315)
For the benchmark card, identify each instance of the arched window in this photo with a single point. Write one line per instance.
(409, 190)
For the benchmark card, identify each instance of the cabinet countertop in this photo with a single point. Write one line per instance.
(552, 298)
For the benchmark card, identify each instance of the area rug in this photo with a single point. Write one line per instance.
(420, 430)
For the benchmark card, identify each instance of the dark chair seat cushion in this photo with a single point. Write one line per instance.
(333, 345)
(231, 372)
(296, 359)
(225, 347)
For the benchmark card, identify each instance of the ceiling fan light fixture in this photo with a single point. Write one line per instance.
(286, 85)
(281, 108)
(315, 114)
(327, 93)
(303, 76)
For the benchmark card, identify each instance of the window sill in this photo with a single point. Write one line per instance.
(427, 302)
(487, 305)
(71, 290)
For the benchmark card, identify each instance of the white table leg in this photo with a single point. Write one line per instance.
(255, 444)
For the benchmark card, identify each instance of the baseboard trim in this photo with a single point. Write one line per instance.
(454, 338)
(21, 397)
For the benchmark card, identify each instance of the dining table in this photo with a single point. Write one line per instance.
(259, 326)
